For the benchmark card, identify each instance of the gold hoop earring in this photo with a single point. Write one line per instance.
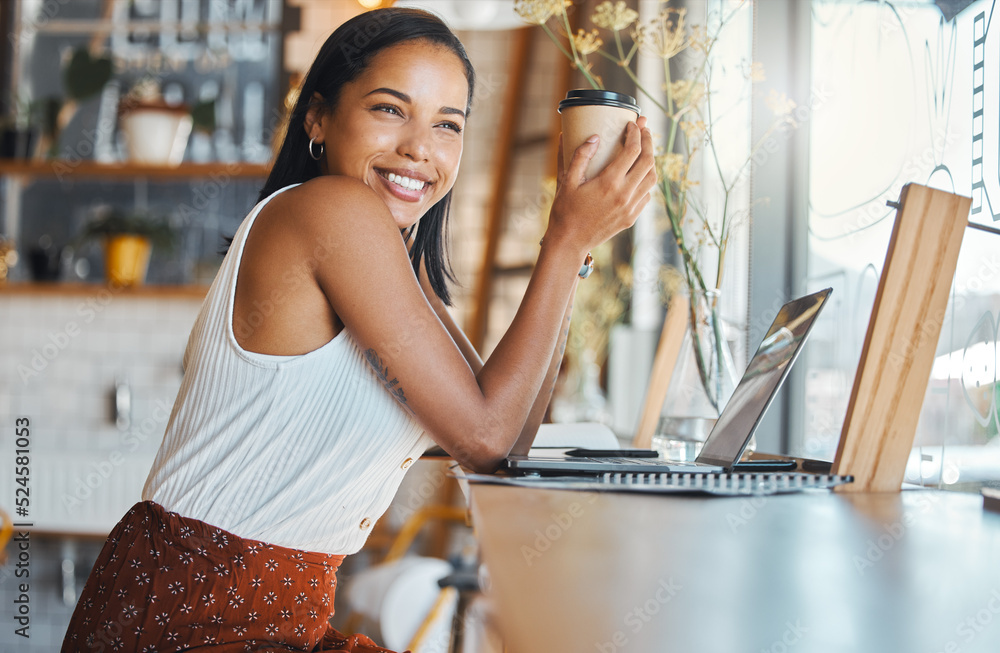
(316, 157)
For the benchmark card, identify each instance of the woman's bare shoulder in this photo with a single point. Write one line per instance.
(329, 213)
(327, 206)
(323, 186)
(330, 197)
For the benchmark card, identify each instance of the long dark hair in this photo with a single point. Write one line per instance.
(345, 55)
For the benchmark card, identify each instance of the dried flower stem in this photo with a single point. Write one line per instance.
(577, 60)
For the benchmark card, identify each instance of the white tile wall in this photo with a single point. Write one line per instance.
(85, 472)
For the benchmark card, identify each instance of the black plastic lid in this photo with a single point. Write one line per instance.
(590, 96)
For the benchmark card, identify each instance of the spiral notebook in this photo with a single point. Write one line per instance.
(738, 484)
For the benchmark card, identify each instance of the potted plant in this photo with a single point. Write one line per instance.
(128, 241)
(156, 133)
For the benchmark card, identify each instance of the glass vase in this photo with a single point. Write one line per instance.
(701, 384)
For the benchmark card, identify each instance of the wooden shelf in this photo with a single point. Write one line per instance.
(53, 289)
(62, 170)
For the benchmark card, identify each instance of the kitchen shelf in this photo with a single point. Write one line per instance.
(63, 169)
(71, 289)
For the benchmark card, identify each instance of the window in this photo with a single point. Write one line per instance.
(906, 93)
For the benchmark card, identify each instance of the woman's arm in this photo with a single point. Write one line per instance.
(527, 436)
(346, 234)
(537, 412)
(544, 397)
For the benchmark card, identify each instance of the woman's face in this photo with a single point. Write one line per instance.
(398, 127)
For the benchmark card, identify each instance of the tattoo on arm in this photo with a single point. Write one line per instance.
(382, 371)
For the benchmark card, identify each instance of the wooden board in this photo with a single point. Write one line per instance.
(663, 366)
(902, 339)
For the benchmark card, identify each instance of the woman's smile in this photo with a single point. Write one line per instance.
(407, 185)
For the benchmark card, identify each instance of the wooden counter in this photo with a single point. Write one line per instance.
(579, 572)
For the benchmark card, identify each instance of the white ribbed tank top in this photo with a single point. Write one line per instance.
(300, 451)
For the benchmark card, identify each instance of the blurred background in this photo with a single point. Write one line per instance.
(814, 115)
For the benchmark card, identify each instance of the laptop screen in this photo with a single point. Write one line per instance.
(759, 385)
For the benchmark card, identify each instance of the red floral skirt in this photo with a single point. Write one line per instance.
(168, 583)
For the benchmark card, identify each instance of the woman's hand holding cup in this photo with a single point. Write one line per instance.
(587, 212)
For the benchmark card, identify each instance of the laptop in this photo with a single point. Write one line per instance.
(736, 424)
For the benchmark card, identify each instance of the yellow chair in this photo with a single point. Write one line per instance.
(412, 526)
(447, 600)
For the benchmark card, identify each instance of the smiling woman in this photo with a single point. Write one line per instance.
(324, 359)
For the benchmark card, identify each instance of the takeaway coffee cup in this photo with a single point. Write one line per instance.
(586, 112)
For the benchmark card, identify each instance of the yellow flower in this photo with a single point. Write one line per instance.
(700, 40)
(614, 16)
(757, 72)
(538, 12)
(663, 36)
(587, 43)
(693, 130)
(781, 105)
(671, 166)
(685, 92)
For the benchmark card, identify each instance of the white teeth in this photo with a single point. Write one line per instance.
(405, 182)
